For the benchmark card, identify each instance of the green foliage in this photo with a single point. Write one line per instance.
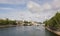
(7, 22)
(54, 22)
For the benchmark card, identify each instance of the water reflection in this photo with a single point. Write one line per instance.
(25, 31)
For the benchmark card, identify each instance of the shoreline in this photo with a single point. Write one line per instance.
(3, 26)
(55, 32)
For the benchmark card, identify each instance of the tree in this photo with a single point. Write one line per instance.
(54, 22)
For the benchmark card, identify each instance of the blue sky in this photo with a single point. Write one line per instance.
(36, 10)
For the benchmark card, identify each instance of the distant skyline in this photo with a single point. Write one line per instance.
(36, 10)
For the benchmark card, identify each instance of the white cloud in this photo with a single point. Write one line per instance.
(46, 6)
(56, 3)
(35, 7)
(18, 15)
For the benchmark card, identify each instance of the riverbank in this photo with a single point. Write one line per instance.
(56, 32)
(2, 26)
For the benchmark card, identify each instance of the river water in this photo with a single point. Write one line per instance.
(25, 31)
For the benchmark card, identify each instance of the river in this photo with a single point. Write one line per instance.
(25, 31)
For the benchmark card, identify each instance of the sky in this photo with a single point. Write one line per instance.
(31, 10)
